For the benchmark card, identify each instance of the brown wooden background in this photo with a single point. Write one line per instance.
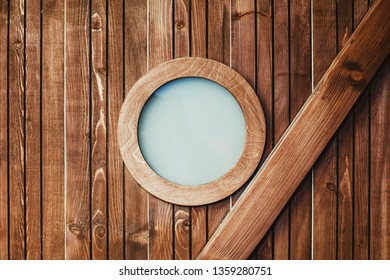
(64, 70)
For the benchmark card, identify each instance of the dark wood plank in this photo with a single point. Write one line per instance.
(264, 17)
(99, 130)
(78, 132)
(198, 49)
(182, 221)
(53, 168)
(218, 48)
(160, 50)
(379, 166)
(115, 93)
(325, 170)
(16, 122)
(136, 198)
(361, 134)
(33, 129)
(281, 103)
(345, 151)
(300, 88)
(304, 140)
(3, 133)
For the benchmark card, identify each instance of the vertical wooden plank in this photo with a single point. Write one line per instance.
(160, 50)
(300, 88)
(115, 93)
(99, 130)
(345, 151)
(136, 198)
(182, 49)
(281, 102)
(265, 14)
(53, 168)
(198, 49)
(33, 129)
(361, 179)
(218, 48)
(379, 166)
(4, 131)
(77, 130)
(16, 119)
(325, 169)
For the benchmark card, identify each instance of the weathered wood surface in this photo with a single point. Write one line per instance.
(304, 140)
(61, 174)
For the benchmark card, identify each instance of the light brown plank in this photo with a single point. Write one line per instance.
(361, 134)
(182, 45)
(53, 233)
(325, 170)
(280, 108)
(160, 50)
(300, 88)
(218, 48)
(198, 49)
(304, 140)
(136, 198)
(345, 151)
(16, 122)
(99, 130)
(264, 18)
(243, 52)
(33, 129)
(3, 133)
(379, 166)
(115, 94)
(77, 130)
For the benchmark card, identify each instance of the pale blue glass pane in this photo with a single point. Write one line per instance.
(191, 131)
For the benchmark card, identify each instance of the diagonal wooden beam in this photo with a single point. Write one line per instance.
(304, 140)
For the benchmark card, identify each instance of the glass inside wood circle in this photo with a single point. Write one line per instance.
(191, 131)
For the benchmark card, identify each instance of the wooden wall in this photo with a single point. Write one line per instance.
(65, 68)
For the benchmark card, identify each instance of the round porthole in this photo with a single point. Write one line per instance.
(191, 131)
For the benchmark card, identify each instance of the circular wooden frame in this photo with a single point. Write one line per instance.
(128, 127)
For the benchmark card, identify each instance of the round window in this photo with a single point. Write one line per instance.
(191, 131)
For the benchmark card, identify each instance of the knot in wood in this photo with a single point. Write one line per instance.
(77, 230)
(356, 77)
(100, 231)
(330, 186)
(180, 24)
(18, 45)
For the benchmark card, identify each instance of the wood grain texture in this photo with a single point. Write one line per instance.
(115, 94)
(136, 198)
(281, 104)
(304, 140)
(198, 49)
(4, 131)
(53, 234)
(16, 123)
(33, 131)
(243, 52)
(300, 88)
(325, 169)
(182, 46)
(379, 166)
(219, 49)
(361, 168)
(265, 14)
(99, 130)
(345, 160)
(78, 132)
(160, 50)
